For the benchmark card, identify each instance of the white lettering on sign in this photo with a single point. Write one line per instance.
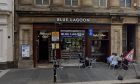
(73, 20)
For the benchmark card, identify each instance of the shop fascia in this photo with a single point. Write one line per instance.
(73, 20)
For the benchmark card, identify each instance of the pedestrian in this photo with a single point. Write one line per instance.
(110, 58)
(115, 60)
(87, 62)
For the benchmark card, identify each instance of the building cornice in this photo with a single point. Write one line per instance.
(84, 14)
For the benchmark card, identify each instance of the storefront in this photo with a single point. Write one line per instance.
(74, 40)
(72, 36)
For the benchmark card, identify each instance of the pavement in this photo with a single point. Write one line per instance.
(3, 72)
(99, 74)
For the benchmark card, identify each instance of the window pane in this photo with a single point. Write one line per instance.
(128, 3)
(122, 3)
(96, 2)
(46, 2)
(39, 2)
(103, 3)
(74, 2)
(68, 2)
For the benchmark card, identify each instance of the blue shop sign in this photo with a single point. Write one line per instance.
(90, 31)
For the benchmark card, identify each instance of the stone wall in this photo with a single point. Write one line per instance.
(116, 39)
(87, 3)
(26, 33)
(138, 43)
(26, 2)
(114, 3)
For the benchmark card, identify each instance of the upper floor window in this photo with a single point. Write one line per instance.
(100, 3)
(125, 3)
(71, 2)
(42, 2)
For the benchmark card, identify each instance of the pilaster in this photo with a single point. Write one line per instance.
(138, 43)
(26, 33)
(116, 38)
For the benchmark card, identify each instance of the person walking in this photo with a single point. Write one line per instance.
(115, 60)
(110, 58)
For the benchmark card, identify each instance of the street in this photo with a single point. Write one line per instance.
(73, 74)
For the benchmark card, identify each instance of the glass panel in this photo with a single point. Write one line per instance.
(74, 2)
(68, 2)
(122, 3)
(72, 39)
(39, 2)
(72, 43)
(128, 3)
(96, 3)
(45, 2)
(103, 3)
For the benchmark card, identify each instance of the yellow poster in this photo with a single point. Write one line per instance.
(55, 36)
(55, 45)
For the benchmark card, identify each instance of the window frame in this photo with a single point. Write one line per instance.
(101, 6)
(42, 3)
(125, 4)
(71, 3)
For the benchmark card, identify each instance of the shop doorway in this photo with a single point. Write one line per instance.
(43, 49)
(101, 45)
(43, 42)
(100, 49)
(129, 37)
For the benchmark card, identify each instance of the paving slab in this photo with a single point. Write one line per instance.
(99, 74)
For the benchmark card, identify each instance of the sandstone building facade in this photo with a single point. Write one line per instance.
(6, 33)
(88, 27)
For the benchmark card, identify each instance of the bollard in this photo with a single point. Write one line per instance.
(54, 69)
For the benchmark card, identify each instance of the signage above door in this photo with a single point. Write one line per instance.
(73, 20)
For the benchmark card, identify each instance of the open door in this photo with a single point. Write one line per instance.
(41, 47)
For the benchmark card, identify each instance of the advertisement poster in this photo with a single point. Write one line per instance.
(55, 36)
(55, 45)
(25, 50)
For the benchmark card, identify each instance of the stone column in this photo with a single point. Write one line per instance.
(138, 43)
(58, 2)
(87, 2)
(114, 3)
(26, 37)
(116, 39)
